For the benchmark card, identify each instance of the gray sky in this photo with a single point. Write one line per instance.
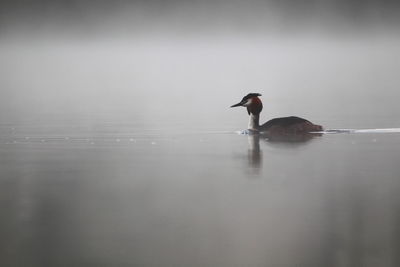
(143, 57)
(193, 18)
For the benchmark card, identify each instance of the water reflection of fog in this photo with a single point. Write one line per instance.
(354, 219)
(127, 203)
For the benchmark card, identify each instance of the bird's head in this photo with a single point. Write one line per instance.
(251, 102)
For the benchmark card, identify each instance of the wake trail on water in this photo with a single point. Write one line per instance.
(356, 131)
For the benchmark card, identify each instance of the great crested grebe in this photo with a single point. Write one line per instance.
(285, 126)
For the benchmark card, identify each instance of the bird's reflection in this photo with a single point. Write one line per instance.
(255, 153)
(290, 138)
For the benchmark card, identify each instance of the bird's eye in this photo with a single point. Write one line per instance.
(247, 102)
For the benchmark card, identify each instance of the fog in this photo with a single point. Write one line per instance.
(163, 80)
(92, 58)
(118, 146)
(120, 18)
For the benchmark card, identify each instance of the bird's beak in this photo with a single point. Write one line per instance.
(237, 105)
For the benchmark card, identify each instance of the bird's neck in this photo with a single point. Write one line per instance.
(254, 122)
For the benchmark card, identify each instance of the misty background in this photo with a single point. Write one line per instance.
(198, 17)
(153, 60)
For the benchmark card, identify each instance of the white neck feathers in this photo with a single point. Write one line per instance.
(254, 122)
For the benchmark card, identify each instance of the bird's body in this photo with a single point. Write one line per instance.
(277, 126)
(290, 125)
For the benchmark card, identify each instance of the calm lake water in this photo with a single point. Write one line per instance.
(122, 155)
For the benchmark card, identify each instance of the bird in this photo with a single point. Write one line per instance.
(279, 126)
